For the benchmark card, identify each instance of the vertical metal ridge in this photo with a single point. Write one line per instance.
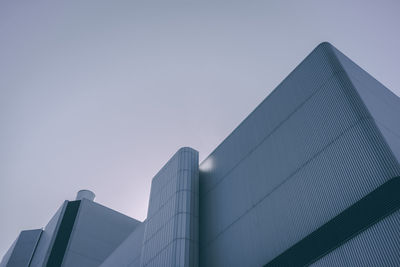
(34, 249)
(169, 238)
(363, 111)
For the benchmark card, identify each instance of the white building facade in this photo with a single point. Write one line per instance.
(310, 177)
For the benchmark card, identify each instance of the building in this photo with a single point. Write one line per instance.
(310, 177)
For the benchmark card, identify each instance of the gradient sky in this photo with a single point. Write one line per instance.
(100, 94)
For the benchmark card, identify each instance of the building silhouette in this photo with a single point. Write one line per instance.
(310, 177)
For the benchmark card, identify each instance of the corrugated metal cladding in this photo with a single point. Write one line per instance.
(380, 102)
(171, 233)
(128, 253)
(379, 245)
(23, 250)
(309, 150)
(326, 137)
(97, 232)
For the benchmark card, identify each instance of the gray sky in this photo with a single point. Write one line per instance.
(99, 94)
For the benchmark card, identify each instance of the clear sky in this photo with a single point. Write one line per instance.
(99, 94)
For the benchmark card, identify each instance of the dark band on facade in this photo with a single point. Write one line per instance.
(372, 208)
(63, 234)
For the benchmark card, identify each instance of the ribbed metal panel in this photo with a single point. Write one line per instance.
(23, 250)
(128, 253)
(382, 104)
(292, 165)
(96, 233)
(363, 214)
(171, 234)
(317, 192)
(377, 246)
(300, 85)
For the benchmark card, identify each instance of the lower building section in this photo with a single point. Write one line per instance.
(81, 233)
(362, 216)
(376, 246)
(23, 249)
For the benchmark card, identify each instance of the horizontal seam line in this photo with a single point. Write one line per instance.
(165, 223)
(169, 199)
(285, 180)
(270, 133)
(165, 247)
